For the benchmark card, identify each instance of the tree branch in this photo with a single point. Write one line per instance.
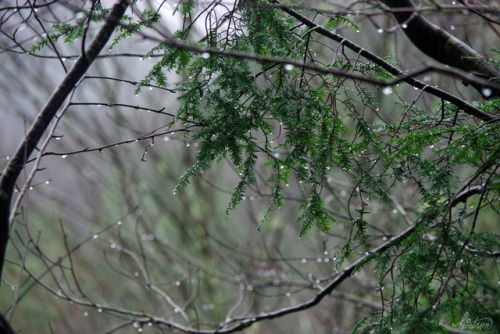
(466, 107)
(44, 118)
(440, 45)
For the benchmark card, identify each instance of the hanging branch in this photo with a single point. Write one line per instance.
(440, 45)
(466, 107)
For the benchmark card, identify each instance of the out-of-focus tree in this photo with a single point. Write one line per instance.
(220, 164)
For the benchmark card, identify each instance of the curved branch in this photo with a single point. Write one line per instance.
(466, 107)
(18, 161)
(440, 45)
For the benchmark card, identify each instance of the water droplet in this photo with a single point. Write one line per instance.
(387, 90)
(177, 283)
(289, 67)
(486, 92)
(404, 26)
(85, 314)
(47, 182)
(319, 260)
(303, 260)
(95, 236)
(205, 55)
(64, 156)
(452, 27)
(380, 30)
(287, 294)
(119, 222)
(99, 310)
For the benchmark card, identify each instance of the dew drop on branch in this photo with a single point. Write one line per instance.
(486, 92)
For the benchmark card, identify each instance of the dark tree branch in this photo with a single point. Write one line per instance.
(41, 123)
(5, 326)
(466, 107)
(440, 45)
(464, 195)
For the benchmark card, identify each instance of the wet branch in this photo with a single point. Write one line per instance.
(44, 118)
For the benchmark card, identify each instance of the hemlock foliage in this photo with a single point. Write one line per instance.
(240, 107)
(306, 126)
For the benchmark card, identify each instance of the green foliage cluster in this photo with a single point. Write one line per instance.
(242, 108)
(76, 30)
(308, 125)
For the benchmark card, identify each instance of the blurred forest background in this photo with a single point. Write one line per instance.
(106, 193)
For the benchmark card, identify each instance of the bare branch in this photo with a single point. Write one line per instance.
(18, 161)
